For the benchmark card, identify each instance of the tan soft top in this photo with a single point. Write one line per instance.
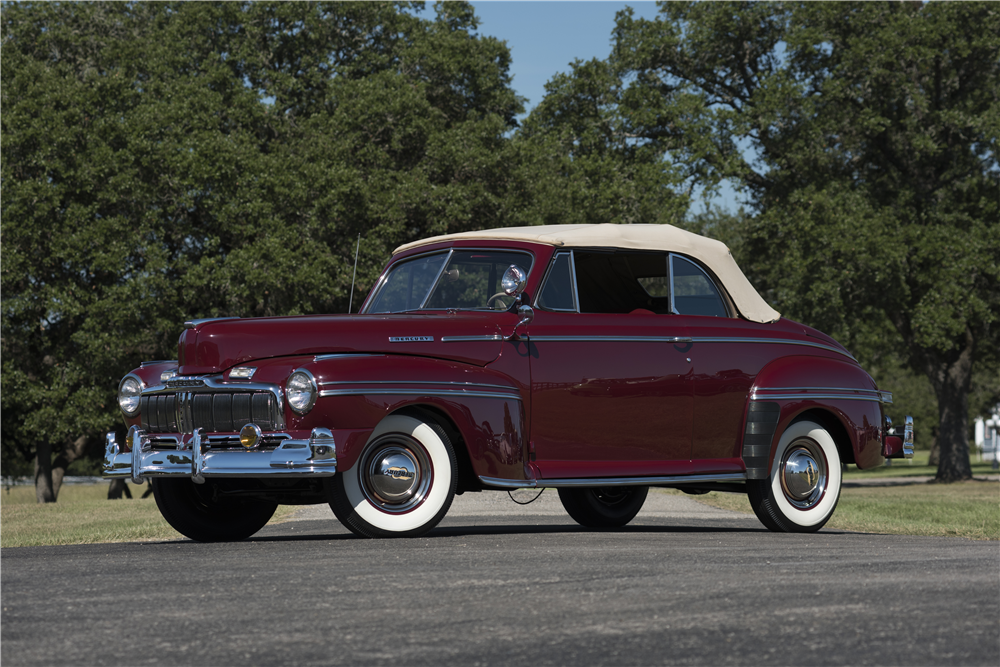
(713, 254)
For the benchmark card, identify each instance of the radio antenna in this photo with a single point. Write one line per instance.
(350, 302)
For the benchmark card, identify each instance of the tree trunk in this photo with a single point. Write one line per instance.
(48, 473)
(43, 474)
(951, 377)
(71, 452)
(117, 489)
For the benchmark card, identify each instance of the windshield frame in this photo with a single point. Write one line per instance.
(449, 253)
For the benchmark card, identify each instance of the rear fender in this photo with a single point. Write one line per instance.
(837, 394)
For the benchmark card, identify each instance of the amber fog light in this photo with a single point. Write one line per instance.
(300, 390)
(250, 436)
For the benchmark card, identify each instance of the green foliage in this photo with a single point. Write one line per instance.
(585, 166)
(873, 174)
(165, 161)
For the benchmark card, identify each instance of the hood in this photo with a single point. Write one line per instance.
(212, 346)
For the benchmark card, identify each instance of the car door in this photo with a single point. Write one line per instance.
(724, 365)
(611, 386)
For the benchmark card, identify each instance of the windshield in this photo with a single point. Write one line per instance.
(459, 279)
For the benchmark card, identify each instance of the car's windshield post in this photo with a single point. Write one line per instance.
(437, 279)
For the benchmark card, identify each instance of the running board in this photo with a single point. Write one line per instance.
(609, 481)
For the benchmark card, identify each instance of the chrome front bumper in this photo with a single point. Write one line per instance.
(314, 457)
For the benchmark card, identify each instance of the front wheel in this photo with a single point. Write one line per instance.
(204, 513)
(402, 483)
(603, 507)
(803, 487)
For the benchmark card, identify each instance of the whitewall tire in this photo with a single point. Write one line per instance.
(803, 487)
(402, 484)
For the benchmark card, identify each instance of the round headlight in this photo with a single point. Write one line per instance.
(300, 390)
(129, 392)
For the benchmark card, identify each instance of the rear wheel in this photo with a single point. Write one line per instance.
(803, 487)
(603, 507)
(402, 484)
(203, 513)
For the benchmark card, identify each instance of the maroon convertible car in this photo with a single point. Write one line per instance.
(599, 360)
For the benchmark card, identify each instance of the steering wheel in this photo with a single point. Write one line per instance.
(489, 302)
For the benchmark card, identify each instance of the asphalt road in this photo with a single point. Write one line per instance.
(500, 584)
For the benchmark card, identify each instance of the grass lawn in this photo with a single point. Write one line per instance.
(84, 515)
(963, 509)
(915, 467)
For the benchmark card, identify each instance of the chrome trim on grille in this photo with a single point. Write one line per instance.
(441, 393)
(470, 339)
(186, 389)
(608, 481)
(611, 339)
(182, 381)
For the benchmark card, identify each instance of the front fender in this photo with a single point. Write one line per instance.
(485, 407)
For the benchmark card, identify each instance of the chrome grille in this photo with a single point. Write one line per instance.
(218, 412)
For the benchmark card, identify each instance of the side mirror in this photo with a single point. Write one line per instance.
(513, 281)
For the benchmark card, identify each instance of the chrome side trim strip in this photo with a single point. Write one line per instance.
(469, 385)
(775, 341)
(469, 339)
(191, 324)
(828, 397)
(442, 393)
(611, 339)
(787, 389)
(608, 481)
(828, 393)
(345, 355)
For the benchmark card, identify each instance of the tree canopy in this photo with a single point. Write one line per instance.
(872, 171)
(163, 161)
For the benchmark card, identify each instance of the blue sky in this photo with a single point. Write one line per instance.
(545, 37)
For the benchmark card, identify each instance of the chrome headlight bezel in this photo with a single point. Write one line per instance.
(301, 391)
(129, 395)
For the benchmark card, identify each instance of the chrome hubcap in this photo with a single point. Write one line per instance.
(395, 473)
(803, 474)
